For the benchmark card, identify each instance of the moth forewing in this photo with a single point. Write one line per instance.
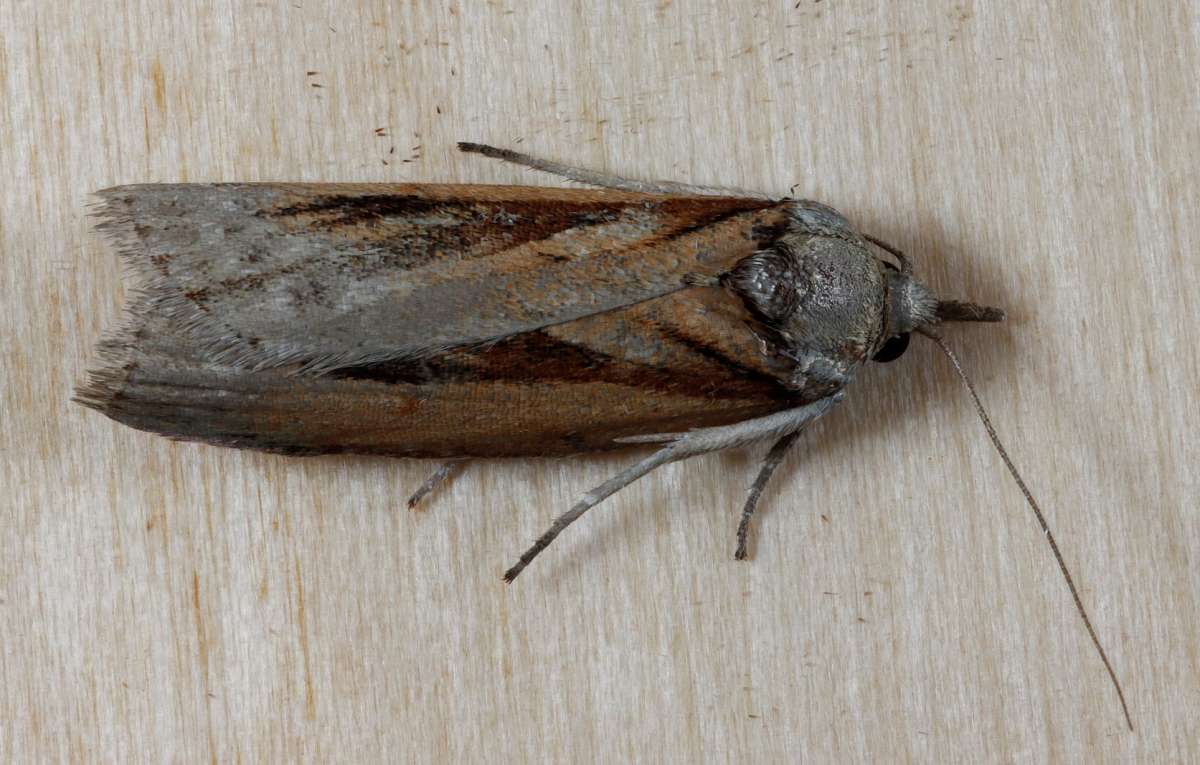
(333, 276)
(571, 361)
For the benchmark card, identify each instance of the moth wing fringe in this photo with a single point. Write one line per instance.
(103, 383)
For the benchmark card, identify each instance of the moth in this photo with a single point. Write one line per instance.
(464, 321)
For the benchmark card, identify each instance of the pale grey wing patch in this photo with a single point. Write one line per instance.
(205, 258)
(261, 280)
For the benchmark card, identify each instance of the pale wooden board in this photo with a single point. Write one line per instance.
(175, 602)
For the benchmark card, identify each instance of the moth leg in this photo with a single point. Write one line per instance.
(681, 446)
(605, 180)
(770, 464)
(895, 252)
(447, 469)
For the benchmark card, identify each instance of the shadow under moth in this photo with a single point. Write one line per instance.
(461, 321)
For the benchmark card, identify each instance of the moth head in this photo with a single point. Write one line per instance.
(913, 307)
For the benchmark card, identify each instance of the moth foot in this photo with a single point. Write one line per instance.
(440, 476)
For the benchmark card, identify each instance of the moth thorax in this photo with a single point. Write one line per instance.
(768, 281)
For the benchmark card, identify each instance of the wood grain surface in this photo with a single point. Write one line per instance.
(169, 602)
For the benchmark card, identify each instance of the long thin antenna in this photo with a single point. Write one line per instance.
(1037, 511)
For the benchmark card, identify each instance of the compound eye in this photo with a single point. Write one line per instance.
(893, 349)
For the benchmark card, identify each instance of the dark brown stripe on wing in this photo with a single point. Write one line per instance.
(701, 347)
(538, 358)
(469, 222)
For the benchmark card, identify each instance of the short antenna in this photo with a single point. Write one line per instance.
(1037, 512)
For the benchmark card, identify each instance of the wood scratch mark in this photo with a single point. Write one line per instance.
(160, 85)
(309, 700)
(202, 650)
